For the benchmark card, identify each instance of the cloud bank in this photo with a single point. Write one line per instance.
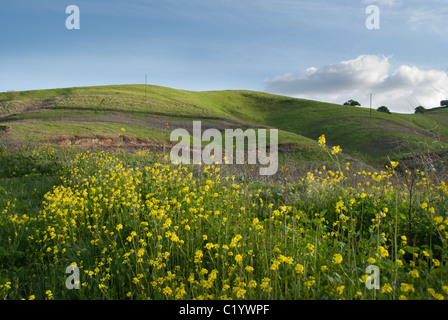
(401, 91)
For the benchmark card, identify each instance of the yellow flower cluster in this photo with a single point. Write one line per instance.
(147, 229)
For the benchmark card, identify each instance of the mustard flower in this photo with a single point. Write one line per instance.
(299, 268)
(336, 150)
(337, 258)
(322, 140)
(405, 287)
(239, 258)
(414, 274)
(386, 288)
(167, 291)
(340, 289)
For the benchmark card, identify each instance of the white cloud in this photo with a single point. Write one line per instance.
(403, 90)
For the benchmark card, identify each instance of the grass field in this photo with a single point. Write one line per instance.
(372, 135)
(139, 227)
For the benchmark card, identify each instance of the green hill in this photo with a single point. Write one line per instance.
(58, 115)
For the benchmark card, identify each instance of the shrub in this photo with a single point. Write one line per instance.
(420, 109)
(352, 103)
(383, 109)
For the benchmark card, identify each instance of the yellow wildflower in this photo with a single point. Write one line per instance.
(383, 252)
(414, 274)
(299, 268)
(322, 140)
(340, 289)
(167, 291)
(336, 149)
(198, 256)
(239, 258)
(140, 252)
(337, 258)
(404, 287)
(394, 164)
(387, 288)
(249, 269)
(49, 294)
(436, 296)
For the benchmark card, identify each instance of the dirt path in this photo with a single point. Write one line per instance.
(129, 144)
(136, 112)
(26, 107)
(107, 142)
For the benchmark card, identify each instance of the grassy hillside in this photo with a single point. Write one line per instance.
(42, 115)
(137, 226)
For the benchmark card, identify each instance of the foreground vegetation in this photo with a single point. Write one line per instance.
(139, 227)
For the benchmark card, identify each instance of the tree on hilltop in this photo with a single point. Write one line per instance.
(420, 109)
(383, 109)
(352, 102)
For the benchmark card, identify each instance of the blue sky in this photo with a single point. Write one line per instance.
(318, 49)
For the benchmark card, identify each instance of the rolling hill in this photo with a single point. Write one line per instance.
(97, 114)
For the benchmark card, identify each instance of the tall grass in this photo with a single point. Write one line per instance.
(139, 227)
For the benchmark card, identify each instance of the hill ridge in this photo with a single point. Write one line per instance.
(38, 115)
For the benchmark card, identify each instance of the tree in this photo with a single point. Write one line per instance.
(383, 109)
(420, 109)
(444, 103)
(352, 103)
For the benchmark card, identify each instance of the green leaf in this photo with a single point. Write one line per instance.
(411, 249)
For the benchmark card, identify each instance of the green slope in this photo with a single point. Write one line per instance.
(42, 114)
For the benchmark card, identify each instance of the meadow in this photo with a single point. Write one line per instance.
(45, 114)
(86, 181)
(139, 227)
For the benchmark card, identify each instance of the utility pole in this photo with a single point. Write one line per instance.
(370, 104)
